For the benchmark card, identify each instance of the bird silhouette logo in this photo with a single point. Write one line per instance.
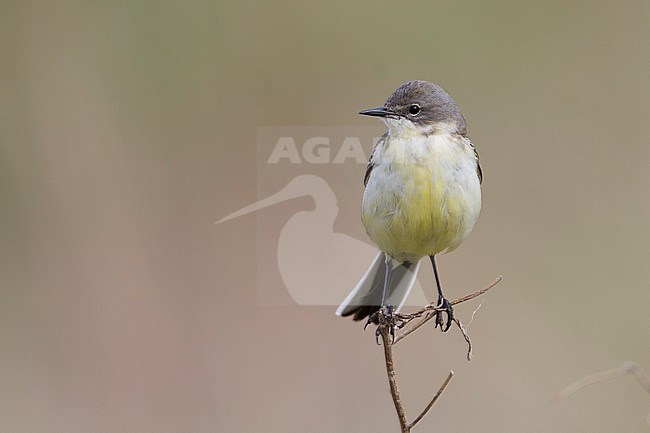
(318, 265)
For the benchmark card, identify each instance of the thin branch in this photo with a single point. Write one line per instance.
(429, 311)
(496, 281)
(473, 314)
(467, 339)
(384, 329)
(389, 321)
(433, 400)
(408, 331)
(628, 367)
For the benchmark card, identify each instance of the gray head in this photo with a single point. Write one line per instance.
(422, 105)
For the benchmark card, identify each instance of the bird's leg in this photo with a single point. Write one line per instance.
(384, 294)
(443, 303)
(389, 271)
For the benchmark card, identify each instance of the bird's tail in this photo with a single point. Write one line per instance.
(365, 299)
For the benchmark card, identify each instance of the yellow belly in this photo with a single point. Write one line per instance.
(422, 203)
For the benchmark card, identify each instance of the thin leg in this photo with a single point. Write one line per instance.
(389, 271)
(384, 295)
(442, 302)
(435, 272)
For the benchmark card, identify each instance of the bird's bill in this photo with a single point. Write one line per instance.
(379, 112)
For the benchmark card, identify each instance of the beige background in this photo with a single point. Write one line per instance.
(128, 128)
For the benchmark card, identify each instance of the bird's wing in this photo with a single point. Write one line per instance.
(371, 161)
(479, 171)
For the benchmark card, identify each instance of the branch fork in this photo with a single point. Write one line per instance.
(389, 321)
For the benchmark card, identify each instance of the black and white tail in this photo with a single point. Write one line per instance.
(365, 299)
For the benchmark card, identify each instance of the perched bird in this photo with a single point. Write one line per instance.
(422, 196)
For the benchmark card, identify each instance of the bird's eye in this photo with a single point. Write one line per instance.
(414, 110)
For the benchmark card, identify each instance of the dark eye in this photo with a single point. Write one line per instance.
(414, 110)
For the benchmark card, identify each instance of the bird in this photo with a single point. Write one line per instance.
(422, 197)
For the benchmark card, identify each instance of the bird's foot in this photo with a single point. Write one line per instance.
(389, 321)
(444, 307)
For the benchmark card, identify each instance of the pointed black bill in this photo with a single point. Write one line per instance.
(379, 112)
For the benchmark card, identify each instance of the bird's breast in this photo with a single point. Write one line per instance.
(423, 196)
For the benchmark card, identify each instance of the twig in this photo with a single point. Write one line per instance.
(408, 331)
(388, 321)
(473, 314)
(384, 329)
(433, 400)
(467, 339)
(479, 292)
(628, 367)
(430, 310)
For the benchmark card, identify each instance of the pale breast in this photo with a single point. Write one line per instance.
(423, 196)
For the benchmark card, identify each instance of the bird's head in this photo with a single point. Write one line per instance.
(420, 107)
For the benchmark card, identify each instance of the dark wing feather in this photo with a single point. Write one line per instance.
(371, 163)
(479, 171)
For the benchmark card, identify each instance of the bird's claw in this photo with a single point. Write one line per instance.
(387, 312)
(444, 307)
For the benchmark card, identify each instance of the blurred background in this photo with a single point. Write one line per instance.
(128, 128)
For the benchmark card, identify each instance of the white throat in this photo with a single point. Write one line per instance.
(405, 128)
